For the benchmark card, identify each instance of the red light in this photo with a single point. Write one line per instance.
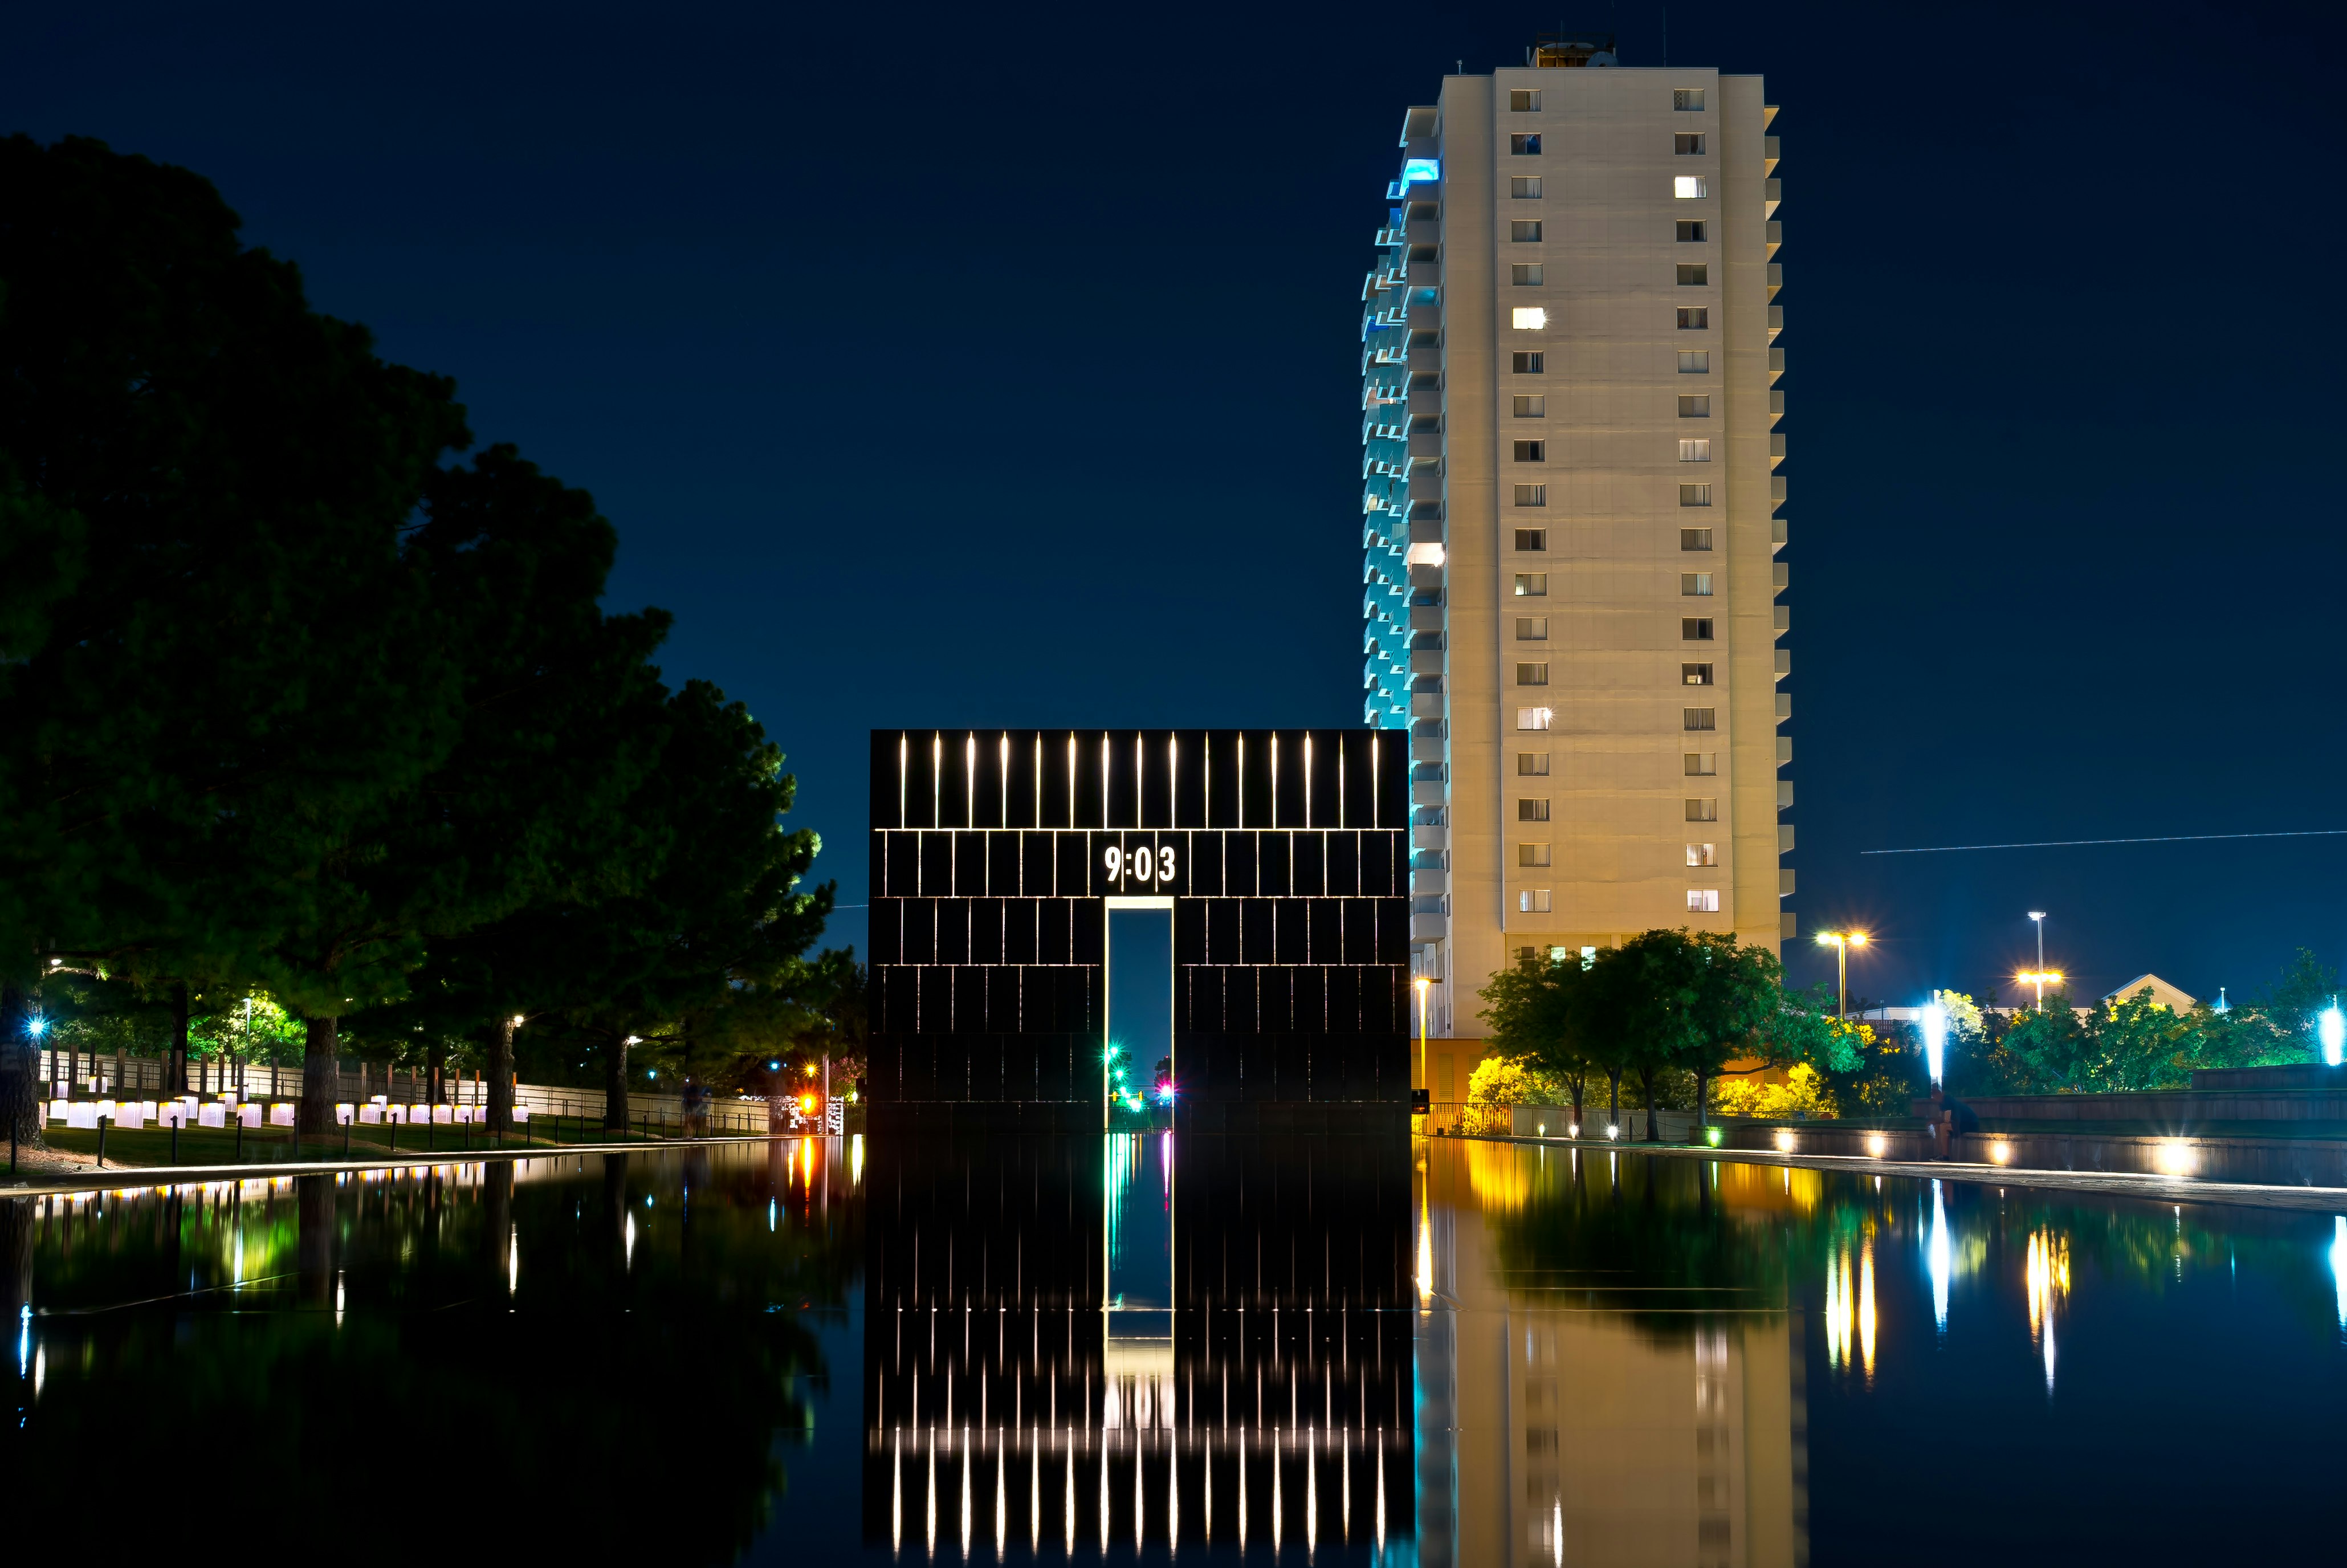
(806, 1102)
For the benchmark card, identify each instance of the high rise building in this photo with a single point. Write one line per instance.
(1571, 512)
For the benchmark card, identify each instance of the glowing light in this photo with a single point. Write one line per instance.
(2000, 1151)
(1530, 318)
(1876, 1144)
(2176, 1157)
(36, 1025)
(1683, 186)
(1711, 1135)
(1574, 1130)
(1866, 1308)
(2339, 1264)
(1613, 1130)
(1935, 1038)
(1786, 1140)
(1418, 170)
(2332, 1027)
(1939, 1259)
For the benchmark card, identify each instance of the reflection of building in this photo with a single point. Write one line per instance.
(1013, 1389)
(1636, 1432)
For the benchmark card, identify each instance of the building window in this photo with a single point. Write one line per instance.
(1534, 718)
(1702, 811)
(1694, 362)
(1686, 143)
(1531, 674)
(1529, 408)
(1524, 144)
(1532, 451)
(1532, 495)
(1532, 811)
(1693, 449)
(1534, 901)
(1696, 407)
(1535, 363)
(1698, 718)
(1691, 231)
(1524, 231)
(1531, 628)
(1531, 538)
(1532, 765)
(1696, 584)
(1529, 318)
(1703, 854)
(1703, 900)
(1526, 274)
(1685, 186)
(1696, 674)
(1695, 318)
(1525, 187)
(1532, 585)
(1523, 100)
(1693, 630)
(1694, 274)
(1695, 539)
(1695, 495)
(1686, 98)
(1534, 854)
(1702, 764)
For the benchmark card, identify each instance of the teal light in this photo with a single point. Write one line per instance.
(1417, 170)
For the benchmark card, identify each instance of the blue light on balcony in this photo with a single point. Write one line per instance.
(1414, 169)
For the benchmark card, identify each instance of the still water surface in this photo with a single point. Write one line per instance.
(1326, 1350)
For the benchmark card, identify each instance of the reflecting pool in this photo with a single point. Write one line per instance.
(1144, 1348)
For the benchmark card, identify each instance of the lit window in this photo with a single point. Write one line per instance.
(1683, 186)
(1691, 231)
(1534, 718)
(1695, 539)
(1526, 274)
(1696, 407)
(1702, 764)
(1532, 811)
(1535, 363)
(1694, 362)
(1531, 585)
(1523, 100)
(1524, 144)
(1684, 142)
(1686, 98)
(1531, 628)
(1525, 187)
(1534, 901)
(1696, 674)
(1703, 900)
(1532, 495)
(1531, 538)
(1694, 318)
(1696, 583)
(1532, 765)
(1694, 273)
(1696, 449)
(1529, 318)
(1702, 811)
(1698, 718)
(1529, 407)
(1703, 854)
(1534, 854)
(1418, 170)
(1531, 674)
(1524, 231)
(1695, 495)
(1531, 451)
(1694, 631)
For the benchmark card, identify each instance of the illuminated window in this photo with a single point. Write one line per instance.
(1686, 142)
(1524, 231)
(1694, 318)
(1702, 811)
(1524, 144)
(1525, 187)
(1531, 538)
(1696, 407)
(1535, 363)
(1695, 495)
(1532, 811)
(1534, 901)
(1696, 583)
(1531, 674)
(1523, 100)
(1534, 854)
(1695, 539)
(1698, 718)
(1534, 718)
(1703, 854)
(1696, 674)
(1531, 584)
(1694, 362)
(1691, 231)
(1531, 628)
(1526, 274)
(1529, 408)
(1418, 170)
(1696, 449)
(1532, 765)
(1529, 318)
(1686, 98)
(1694, 273)
(1531, 451)
(1683, 186)
(1692, 631)
(1703, 900)
(1532, 495)
(1702, 764)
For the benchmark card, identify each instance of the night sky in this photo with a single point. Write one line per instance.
(965, 366)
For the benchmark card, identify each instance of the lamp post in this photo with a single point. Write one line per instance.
(1420, 984)
(2041, 978)
(1841, 942)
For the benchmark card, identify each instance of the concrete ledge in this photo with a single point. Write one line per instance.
(136, 1178)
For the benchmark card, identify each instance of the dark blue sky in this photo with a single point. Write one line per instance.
(941, 365)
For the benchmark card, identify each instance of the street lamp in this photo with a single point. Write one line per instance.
(2331, 1027)
(2041, 978)
(1841, 942)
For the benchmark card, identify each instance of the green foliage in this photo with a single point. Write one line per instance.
(1803, 1093)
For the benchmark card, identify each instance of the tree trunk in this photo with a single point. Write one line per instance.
(615, 1085)
(501, 1074)
(20, 1071)
(314, 1250)
(1613, 1099)
(175, 1080)
(435, 1057)
(316, 1114)
(497, 1218)
(1574, 1086)
(1646, 1083)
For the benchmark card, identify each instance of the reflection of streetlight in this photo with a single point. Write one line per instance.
(1841, 942)
(1423, 1082)
(2041, 978)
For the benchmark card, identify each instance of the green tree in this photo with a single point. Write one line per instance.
(2055, 1044)
(1543, 1014)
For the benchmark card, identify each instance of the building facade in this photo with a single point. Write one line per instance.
(1572, 511)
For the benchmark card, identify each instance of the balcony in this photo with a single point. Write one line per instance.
(1784, 882)
(1784, 750)
(1429, 928)
(1426, 705)
(1784, 620)
(1431, 838)
(1427, 751)
(1775, 447)
(1772, 192)
(1783, 794)
(1776, 278)
(1784, 662)
(1428, 663)
(1776, 321)
(1776, 535)
(1775, 236)
(1780, 576)
(1429, 882)
(1428, 795)
(1423, 617)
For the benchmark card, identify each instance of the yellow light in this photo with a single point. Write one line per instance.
(2000, 1152)
(1785, 1141)
(1876, 1144)
(1857, 939)
(806, 1102)
(2175, 1158)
